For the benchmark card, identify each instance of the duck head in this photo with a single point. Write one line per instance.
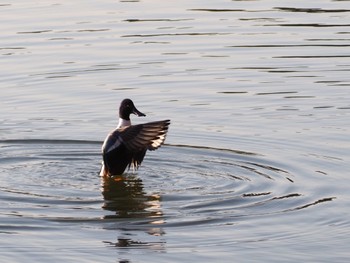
(126, 108)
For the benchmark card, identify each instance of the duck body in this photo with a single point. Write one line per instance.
(117, 157)
(126, 146)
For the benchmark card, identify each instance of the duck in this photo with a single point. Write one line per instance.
(126, 145)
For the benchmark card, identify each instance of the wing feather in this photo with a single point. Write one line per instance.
(149, 135)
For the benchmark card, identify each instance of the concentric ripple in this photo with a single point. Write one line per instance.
(193, 180)
(203, 185)
(180, 193)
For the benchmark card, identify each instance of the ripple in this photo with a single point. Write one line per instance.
(53, 185)
(199, 180)
(216, 10)
(311, 10)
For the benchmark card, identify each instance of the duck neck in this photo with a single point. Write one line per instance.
(123, 123)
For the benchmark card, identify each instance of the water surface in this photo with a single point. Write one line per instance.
(256, 163)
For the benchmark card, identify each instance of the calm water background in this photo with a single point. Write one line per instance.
(256, 166)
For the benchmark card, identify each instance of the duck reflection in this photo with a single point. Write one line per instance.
(125, 196)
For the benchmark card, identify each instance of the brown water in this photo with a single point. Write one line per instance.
(256, 166)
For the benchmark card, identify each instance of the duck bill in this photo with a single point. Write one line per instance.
(138, 113)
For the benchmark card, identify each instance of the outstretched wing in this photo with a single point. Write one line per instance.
(146, 136)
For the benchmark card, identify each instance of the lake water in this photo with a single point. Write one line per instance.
(256, 162)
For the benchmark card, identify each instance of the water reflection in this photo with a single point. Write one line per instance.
(125, 196)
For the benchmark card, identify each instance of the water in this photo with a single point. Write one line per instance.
(256, 165)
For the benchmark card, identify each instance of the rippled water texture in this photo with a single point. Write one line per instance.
(212, 202)
(256, 163)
